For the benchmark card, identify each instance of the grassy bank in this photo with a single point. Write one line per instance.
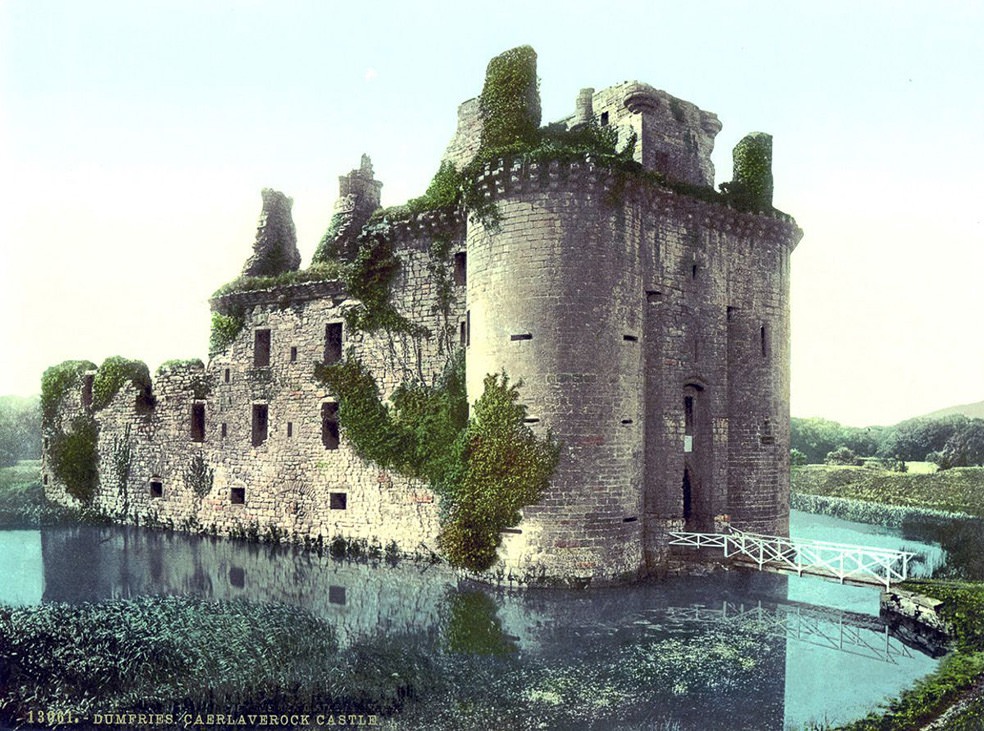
(170, 655)
(957, 676)
(957, 490)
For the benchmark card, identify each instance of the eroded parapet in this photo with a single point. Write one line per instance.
(275, 249)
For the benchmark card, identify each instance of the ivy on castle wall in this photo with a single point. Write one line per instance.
(74, 457)
(225, 330)
(510, 102)
(114, 372)
(751, 187)
(59, 380)
(485, 468)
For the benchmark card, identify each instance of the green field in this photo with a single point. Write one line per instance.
(957, 490)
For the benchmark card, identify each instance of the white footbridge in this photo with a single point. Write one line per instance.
(862, 564)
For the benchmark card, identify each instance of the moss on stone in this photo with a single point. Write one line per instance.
(114, 372)
(57, 381)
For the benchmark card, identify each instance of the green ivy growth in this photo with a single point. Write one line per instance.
(74, 457)
(198, 476)
(57, 381)
(485, 469)
(369, 279)
(751, 188)
(320, 271)
(510, 102)
(113, 373)
(502, 466)
(225, 329)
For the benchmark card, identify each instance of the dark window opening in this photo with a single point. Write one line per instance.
(336, 595)
(156, 489)
(521, 336)
(626, 421)
(467, 328)
(463, 333)
(226, 375)
(763, 341)
(237, 495)
(87, 391)
(261, 348)
(688, 415)
(631, 519)
(604, 119)
(44, 442)
(329, 425)
(45, 479)
(333, 342)
(693, 272)
(687, 496)
(514, 531)
(731, 314)
(653, 297)
(337, 500)
(261, 423)
(290, 429)
(225, 430)
(198, 422)
(460, 269)
(630, 338)
(531, 420)
(293, 354)
(237, 576)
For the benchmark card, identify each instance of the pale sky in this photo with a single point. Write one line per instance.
(135, 138)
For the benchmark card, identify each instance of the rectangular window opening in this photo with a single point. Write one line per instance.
(290, 429)
(225, 430)
(467, 328)
(630, 338)
(198, 422)
(521, 336)
(604, 119)
(261, 423)
(333, 342)
(514, 531)
(531, 420)
(261, 349)
(226, 375)
(763, 341)
(731, 313)
(460, 269)
(45, 479)
(693, 272)
(336, 595)
(462, 333)
(337, 500)
(329, 425)
(237, 576)
(626, 421)
(156, 489)
(688, 415)
(293, 354)
(237, 495)
(653, 297)
(630, 519)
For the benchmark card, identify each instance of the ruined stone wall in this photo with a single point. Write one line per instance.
(299, 479)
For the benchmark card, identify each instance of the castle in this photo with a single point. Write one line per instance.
(647, 318)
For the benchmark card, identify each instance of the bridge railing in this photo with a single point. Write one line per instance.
(822, 558)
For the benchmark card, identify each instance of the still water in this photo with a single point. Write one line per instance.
(732, 650)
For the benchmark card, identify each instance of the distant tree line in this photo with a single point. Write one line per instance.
(20, 429)
(949, 441)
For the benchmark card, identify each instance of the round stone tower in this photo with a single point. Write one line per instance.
(553, 300)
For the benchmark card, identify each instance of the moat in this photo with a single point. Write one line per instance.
(733, 649)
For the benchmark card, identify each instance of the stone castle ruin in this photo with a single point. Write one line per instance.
(645, 314)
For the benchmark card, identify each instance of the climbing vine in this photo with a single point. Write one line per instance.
(74, 457)
(225, 330)
(198, 476)
(485, 469)
(112, 374)
(122, 463)
(509, 105)
(751, 188)
(57, 381)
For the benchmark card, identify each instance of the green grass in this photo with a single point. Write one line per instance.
(957, 490)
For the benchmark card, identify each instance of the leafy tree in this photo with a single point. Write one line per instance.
(20, 429)
(797, 458)
(965, 448)
(842, 456)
